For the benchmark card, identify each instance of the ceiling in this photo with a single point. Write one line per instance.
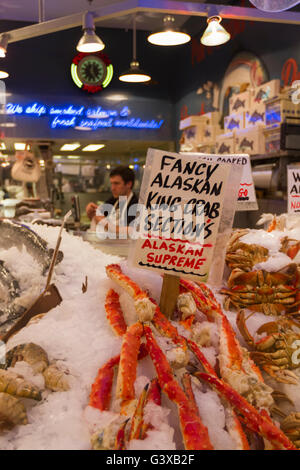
(31, 11)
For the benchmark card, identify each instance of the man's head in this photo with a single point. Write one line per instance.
(121, 181)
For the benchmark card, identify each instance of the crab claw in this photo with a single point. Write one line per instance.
(120, 437)
(257, 422)
(150, 393)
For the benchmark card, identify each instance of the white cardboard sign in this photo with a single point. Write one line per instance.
(183, 197)
(293, 187)
(246, 196)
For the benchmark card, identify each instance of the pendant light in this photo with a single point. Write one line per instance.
(3, 44)
(134, 74)
(215, 34)
(170, 35)
(89, 42)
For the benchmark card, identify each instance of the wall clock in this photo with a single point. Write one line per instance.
(91, 72)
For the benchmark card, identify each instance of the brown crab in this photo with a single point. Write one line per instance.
(243, 255)
(274, 352)
(262, 291)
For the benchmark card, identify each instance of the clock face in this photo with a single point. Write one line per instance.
(92, 70)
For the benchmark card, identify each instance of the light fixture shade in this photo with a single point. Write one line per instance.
(215, 34)
(170, 35)
(3, 74)
(89, 42)
(135, 74)
(3, 44)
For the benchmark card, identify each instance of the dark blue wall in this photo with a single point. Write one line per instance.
(40, 67)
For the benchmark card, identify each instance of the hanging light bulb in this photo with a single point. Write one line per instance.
(3, 44)
(3, 74)
(89, 42)
(215, 34)
(170, 35)
(134, 74)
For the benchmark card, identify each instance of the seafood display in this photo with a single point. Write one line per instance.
(181, 369)
(12, 303)
(219, 374)
(14, 386)
(15, 234)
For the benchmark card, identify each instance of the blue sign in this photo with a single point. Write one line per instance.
(72, 116)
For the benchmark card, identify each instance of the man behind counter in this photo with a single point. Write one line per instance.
(121, 183)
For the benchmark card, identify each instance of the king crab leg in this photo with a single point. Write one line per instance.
(195, 434)
(259, 422)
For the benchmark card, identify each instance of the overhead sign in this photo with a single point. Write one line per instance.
(246, 196)
(183, 199)
(83, 117)
(91, 72)
(293, 187)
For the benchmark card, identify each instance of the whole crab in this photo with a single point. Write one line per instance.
(243, 255)
(268, 292)
(274, 352)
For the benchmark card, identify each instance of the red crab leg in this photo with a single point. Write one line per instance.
(153, 396)
(232, 354)
(114, 272)
(258, 422)
(235, 430)
(137, 418)
(200, 356)
(151, 393)
(143, 305)
(165, 327)
(120, 443)
(114, 313)
(195, 434)
(101, 389)
(128, 362)
(187, 387)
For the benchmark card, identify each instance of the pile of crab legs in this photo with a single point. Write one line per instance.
(238, 381)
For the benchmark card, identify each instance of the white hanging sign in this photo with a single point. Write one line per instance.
(246, 196)
(293, 187)
(183, 199)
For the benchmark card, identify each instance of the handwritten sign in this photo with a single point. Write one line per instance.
(183, 201)
(293, 180)
(246, 196)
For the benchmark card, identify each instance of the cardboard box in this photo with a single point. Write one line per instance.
(211, 119)
(225, 143)
(192, 133)
(256, 116)
(251, 141)
(278, 109)
(211, 148)
(234, 122)
(265, 91)
(272, 139)
(239, 102)
(210, 134)
(190, 121)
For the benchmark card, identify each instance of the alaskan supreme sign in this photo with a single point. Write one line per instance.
(183, 200)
